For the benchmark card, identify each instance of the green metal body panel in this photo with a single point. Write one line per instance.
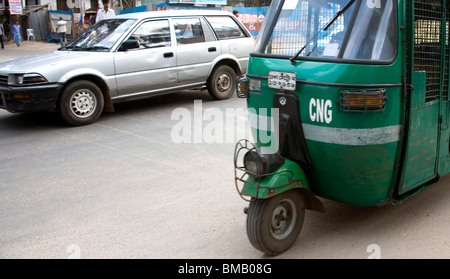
(354, 173)
(421, 146)
(362, 158)
(286, 177)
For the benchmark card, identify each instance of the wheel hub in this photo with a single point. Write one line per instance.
(83, 103)
(224, 82)
(283, 217)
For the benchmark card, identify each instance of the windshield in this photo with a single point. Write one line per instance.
(101, 36)
(339, 29)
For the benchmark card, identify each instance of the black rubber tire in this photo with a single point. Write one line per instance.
(260, 226)
(81, 103)
(222, 82)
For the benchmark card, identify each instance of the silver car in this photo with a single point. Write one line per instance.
(128, 57)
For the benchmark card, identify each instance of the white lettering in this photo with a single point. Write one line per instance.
(312, 113)
(375, 250)
(212, 125)
(373, 4)
(328, 112)
(320, 108)
(74, 250)
(321, 111)
(181, 132)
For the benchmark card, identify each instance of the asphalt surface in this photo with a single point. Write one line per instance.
(121, 188)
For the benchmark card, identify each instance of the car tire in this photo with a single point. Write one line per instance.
(222, 82)
(81, 103)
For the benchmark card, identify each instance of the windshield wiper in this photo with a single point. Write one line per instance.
(96, 48)
(325, 28)
(69, 48)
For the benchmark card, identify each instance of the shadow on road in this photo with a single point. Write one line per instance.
(39, 120)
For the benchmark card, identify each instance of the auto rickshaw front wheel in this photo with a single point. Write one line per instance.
(273, 224)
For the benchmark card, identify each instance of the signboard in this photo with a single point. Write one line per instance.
(15, 7)
(252, 18)
(210, 2)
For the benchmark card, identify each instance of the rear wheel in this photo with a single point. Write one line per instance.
(81, 103)
(273, 224)
(222, 82)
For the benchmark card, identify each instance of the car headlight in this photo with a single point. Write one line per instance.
(258, 164)
(26, 79)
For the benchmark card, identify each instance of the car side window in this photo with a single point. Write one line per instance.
(225, 27)
(188, 31)
(151, 34)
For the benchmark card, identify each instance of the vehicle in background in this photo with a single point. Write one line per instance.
(127, 57)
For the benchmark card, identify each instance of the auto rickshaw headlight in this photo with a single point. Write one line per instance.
(258, 164)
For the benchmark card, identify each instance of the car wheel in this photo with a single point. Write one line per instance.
(222, 82)
(81, 103)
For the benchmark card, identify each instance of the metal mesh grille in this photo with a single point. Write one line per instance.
(427, 44)
(446, 69)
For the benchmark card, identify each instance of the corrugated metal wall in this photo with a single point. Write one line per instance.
(38, 21)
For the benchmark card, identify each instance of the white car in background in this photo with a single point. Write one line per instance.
(128, 57)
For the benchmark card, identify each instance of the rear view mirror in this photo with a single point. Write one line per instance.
(129, 44)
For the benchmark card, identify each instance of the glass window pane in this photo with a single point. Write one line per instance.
(188, 31)
(373, 35)
(333, 29)
(153, 34)
(225, 27)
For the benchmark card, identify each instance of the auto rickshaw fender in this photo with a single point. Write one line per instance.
(288, 176)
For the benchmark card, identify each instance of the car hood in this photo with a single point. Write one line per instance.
(50, 61)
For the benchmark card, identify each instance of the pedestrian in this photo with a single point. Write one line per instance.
(236, 13)
(62, 29)
(2, 33)
(105, 13)
(16, 33)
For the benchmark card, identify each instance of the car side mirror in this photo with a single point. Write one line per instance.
(129, 44)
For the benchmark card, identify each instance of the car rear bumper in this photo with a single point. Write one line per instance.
(29, 98)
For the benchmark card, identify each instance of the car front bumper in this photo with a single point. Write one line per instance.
(29, 98)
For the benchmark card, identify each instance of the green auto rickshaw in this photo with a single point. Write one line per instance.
(347, 101)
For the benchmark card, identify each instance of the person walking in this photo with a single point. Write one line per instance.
(2, 34)
(62, 29)
(16, 33)
(105, 13)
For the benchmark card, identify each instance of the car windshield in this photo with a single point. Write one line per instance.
(337, 29)
(101, 36)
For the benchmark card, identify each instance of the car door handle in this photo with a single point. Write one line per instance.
(168, 54)
(212, 49)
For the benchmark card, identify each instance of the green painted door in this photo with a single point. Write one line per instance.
(423, 130)
(425, 61)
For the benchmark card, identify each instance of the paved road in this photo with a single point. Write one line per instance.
(121, 188)
(11, 51)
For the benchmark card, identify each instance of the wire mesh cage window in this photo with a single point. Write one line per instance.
(428, 37)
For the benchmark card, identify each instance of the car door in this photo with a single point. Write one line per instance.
(151, 67)
(233, 37)
(195, 51)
